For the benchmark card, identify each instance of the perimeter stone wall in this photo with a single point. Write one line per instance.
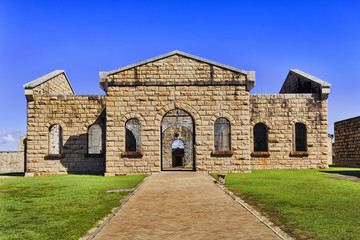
(347, 143)
(280, 112)
(74, 114)
(13, 161)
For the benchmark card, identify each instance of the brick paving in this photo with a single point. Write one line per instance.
(183, 205)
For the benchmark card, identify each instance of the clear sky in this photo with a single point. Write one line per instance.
(321, 38)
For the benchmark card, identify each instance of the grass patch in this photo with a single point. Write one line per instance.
(214, 175)
(58, 206)
(303, 202)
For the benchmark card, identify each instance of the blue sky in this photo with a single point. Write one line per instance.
(321, 38)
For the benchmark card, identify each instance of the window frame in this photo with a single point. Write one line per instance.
(297, 152)
(262, 152)
(219, 152)
(101, 139)
(138, 146)
(60, 143)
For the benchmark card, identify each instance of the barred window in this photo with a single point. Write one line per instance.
(300, 137)
(260, 138)
(95, 145)
(133, 135)
(222, 135)
(55, 139)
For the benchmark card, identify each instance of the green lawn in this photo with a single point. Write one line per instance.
(303, 202)
(59, 206)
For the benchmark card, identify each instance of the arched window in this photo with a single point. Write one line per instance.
(260, 138)
(133, 135)
(222, 135)
(55, 139)
(300, 137)
(95, 145)
(177, 143)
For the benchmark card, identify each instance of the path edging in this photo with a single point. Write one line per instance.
(280, 233)
(95, 230)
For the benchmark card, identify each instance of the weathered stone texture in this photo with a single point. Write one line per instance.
(347, 143)
(56, 86)
(13, 161)
(74, 114)
(149, 104)
(280, 112)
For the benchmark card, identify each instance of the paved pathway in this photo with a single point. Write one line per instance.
(183, 205)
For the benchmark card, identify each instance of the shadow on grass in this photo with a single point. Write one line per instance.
(355, 173)
(13, 174)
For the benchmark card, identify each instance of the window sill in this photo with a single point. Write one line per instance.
(53, 156)
(132, 154)
(299, 154)
(227, 153)
(260, 154)
(94, 155)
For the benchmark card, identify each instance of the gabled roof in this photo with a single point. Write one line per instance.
(250, 75)
(176, 52)
(311, 78)
(46, 78)
(294, 83)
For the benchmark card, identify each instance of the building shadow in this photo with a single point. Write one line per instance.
(13, 174)
(75, 157)
(355, 173)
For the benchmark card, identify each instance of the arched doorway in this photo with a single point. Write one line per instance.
(178, 153)
(177, 141)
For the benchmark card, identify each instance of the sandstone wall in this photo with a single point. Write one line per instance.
(347, 143)
(280, 112)
(150, 103)
(74, 114)
(11, 161)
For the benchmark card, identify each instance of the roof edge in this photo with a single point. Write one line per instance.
(324, 86)
(176, 52)
(37, 82)
(311, 78)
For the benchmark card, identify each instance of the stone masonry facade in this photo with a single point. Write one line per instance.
(176, 83)
(347, 143)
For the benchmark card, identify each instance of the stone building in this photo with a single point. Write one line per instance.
(347, 142)
(175, 112)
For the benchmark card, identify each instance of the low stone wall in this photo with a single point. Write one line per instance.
(12, 161)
